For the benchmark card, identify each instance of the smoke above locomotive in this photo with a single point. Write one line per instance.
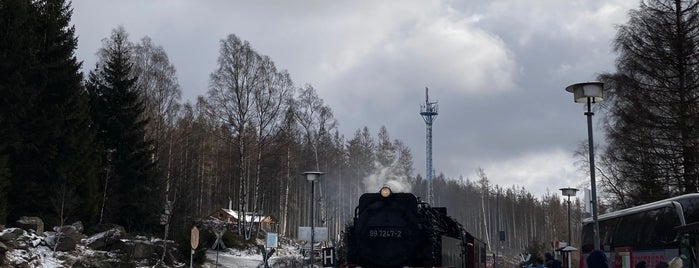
(390, 176)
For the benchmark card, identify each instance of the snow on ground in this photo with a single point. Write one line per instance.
(285, 256)
(40, 256)
(232, 259)
(44, 256)
(30, 250)
(33, 253)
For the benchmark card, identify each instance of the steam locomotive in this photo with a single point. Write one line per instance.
(398, 230)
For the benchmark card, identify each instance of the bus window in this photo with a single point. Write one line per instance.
(648, 229)
(630, 230)
(606, 231)
(690, 207)
(664, 234)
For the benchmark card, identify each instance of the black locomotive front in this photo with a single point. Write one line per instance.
(388, 232)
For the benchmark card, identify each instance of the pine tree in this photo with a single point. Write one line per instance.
(50, 155)
(131, 191)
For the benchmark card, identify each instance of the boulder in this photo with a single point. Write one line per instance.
(31, 223)
(74, 231)
(11, 234)
(137, 249)
(15, 238)
(65, 243)
(105, 240)
(143, 249)
(102, 227)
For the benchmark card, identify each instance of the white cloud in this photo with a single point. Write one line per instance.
(574, 20)
(590, 25)
(452, 52)
(538, 172)
(437, 48)
(497, 68)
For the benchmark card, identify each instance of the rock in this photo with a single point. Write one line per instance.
(143, 249)
(15, 238)
(74, 231)
(31, 223)
(65, 243)
(137, 249)
(102, 227)
(78, 225)
(11, 234)
(106, 239)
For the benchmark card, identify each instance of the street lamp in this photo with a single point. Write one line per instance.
(590, 92)
(569, 192)
(312, 176)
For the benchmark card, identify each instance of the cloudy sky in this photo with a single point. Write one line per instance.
(498, 68)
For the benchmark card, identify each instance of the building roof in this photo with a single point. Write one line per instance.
(248, 216)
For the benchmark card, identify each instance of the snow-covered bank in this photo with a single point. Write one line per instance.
(115, 248)
(287, 255)
(112, 248)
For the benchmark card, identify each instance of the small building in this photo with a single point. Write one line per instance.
(266, 223)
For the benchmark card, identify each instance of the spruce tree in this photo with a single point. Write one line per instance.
(130, 186)
(16, 73)
(50, 155)
(66, 106)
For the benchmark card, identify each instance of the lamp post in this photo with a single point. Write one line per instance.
(590, 92)
(569, 192)
(312, 176)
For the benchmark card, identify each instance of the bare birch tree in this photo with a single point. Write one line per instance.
(269, 102)
(316, 119)
(231, 96)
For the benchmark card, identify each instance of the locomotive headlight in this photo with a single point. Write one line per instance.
(385, 191)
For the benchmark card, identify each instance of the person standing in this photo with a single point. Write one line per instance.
(539, 263)
(551, 262)
(597, 259)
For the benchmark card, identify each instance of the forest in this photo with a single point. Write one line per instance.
(119, 145)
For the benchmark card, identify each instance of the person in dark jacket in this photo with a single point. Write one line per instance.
(551, 262)
(597, 259)
(539, 263)
(662, 264)
(640, 264)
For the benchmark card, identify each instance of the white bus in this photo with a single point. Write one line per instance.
(651, 233)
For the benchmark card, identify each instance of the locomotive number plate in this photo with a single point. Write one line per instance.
(385, 233)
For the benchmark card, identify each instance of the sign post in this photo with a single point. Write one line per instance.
(194, 243)
(271, 243)
(315, 234)
(329, 257)
(219, 231)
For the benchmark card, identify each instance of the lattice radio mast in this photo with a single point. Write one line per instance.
(429, 113)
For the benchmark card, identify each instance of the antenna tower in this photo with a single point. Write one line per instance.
(429, 113)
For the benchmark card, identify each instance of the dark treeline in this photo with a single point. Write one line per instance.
(118, 145)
